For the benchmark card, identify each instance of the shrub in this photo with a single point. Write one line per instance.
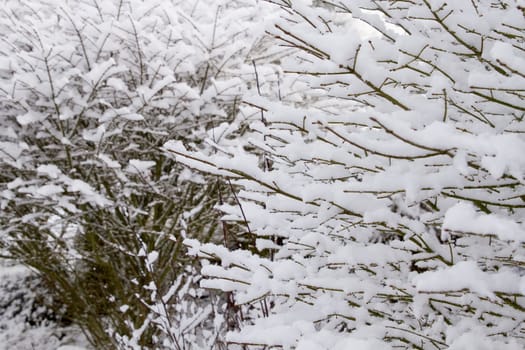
(89, 92)
(390, 194)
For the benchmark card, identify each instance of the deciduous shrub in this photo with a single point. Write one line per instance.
(390, 192)
(89, 93)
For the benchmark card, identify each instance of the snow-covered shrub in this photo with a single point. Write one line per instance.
(89, 92)
(388, 200)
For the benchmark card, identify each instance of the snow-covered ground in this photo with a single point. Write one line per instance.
(23, 323)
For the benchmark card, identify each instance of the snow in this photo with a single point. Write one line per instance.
(137, 166)
(50, 170)
(30, 117)
(49, 190)
(480, 282)
(463, 217)
(108, 161)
